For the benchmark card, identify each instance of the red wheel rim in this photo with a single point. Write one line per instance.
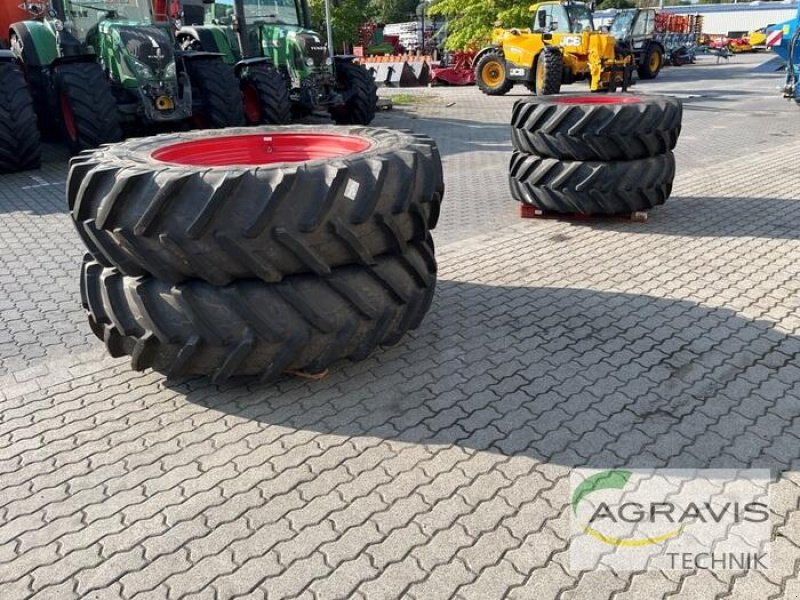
(595, 100)
(252, 107)
(260, 149)
(69, 117)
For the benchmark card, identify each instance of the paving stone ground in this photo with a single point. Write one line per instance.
(438, 468)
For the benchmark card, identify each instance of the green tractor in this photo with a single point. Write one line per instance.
(95, 67)
(306, 76)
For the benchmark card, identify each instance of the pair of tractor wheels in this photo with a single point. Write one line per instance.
(267, 101)
(491, 73)
(594, 155)
(90, 116)
(259, 250)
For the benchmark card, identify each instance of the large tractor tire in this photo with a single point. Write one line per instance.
(216, 89)
(266, 97)
(88, 110)
(361, 106)
(491, 74)
(20, 147)
(549, 72)
(651, 62)
(596, 127)
(255, 203)
(255, 328)
(591, 188)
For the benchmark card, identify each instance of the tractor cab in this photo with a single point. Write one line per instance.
(635, 32)
(554, 17)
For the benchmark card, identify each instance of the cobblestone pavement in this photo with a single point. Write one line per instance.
(440, 467)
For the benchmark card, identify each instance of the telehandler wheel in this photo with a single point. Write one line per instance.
(261, 202)
(214, 86)
(589, 187)
(652, 61)
(361, 106)
(87, 107)
(491, 75)
(549, 72)
(266, 96)
(249, 327)
(20, 147)
(596, 127)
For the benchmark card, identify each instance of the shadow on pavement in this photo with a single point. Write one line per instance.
(568, 376)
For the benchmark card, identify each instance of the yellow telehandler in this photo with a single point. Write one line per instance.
(562, 47)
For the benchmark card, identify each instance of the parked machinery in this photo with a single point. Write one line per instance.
(784, 39)
(275, 35)
(562, 47)
(98, 66)
(635, 29)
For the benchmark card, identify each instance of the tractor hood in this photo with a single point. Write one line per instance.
(146, 50)
(302, 48)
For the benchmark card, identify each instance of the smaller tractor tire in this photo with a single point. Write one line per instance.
(651, 62)
(250, 327)
(591, 188)
(215, 94)
(549, 72)
(361, 106)
(596, 127)
(87, 108)
(266, 96)
(258, 203)
(491, 74)
(20, 147)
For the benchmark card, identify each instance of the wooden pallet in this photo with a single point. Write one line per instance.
(526, 211)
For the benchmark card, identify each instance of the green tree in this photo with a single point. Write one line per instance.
(346, 17)
(470, 22)
(393, 11)
(618, 4)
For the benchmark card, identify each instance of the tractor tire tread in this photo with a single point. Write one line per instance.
(266, 222)
(254, 328)
(94, 107)
(591, 187)
(217, 89)
(273, 94)
(642, 129)
(20, 144)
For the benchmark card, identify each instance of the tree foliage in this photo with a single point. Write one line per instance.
(393, 11)
(470, 22)
(346, 17)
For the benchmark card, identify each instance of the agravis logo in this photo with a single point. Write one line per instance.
(630, 519)
(666, 512)
(605, 481)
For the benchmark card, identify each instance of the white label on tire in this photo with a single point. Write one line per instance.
(351, 191)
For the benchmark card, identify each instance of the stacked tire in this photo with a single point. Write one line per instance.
(594, 155)
(256, 251)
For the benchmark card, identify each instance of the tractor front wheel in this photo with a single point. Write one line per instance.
(652, 61)
(549, 71)
(219, 101)
(491, 74)
(19, 135)
(86, 105)
(362, 105)
(266, 97)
